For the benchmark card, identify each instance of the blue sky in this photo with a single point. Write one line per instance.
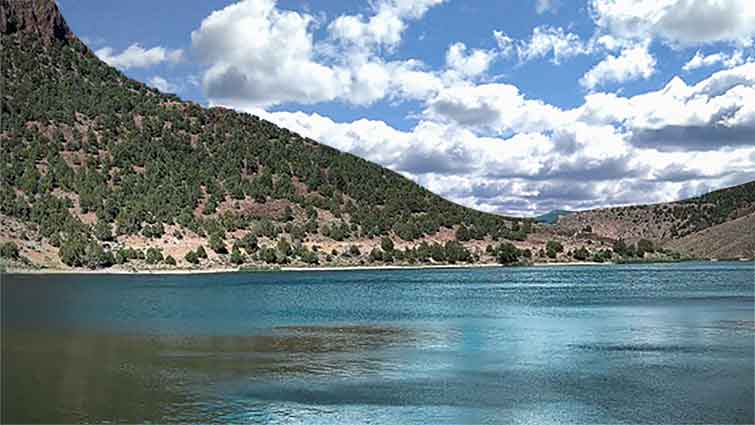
(509, 106)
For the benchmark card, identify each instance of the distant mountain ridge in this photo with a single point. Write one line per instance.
(552, 216)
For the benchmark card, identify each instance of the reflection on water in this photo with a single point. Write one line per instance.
(126, 378)
(672, 344)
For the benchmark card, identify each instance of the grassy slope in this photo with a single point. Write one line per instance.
(667, 221)
(728, 240)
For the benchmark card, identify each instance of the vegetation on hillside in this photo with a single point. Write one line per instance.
(79, 139)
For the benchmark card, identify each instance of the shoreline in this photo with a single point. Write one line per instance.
(118, 271)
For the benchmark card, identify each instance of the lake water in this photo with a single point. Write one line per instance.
(670, 343)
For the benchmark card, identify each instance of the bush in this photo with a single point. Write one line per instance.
(201, 253)
(192, 257)
(309, 257)
(153, 256)
(643, 246)
(217, 244)
(552, 248)
(507, 253)
(236, 256)
(248, 243)
(268, 255)
(581, 254)
(284, 248)
(386, 244)
(169, 260)
(103, 231)
(376, 255)
(9, 250)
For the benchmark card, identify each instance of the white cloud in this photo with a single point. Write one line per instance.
(496, 107)
(384, 27)
(162, 84)
(546, 40)
(135, 56)
(505, 43)
(678, 22)
(632, 63)
(260, 55)
(487, 145)
(490, 147)
(542, 6)
(468, 64)
(726, 60)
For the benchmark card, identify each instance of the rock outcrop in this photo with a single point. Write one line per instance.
(41, 17)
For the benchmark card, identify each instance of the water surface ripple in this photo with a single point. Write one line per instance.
(670, 343)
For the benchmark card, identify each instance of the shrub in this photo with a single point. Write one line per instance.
(581, 254)
(153, 256)
(552, 248)
(9, 250)
(217, 244)
(192, 257)
(103, 231)
(236, 256)
(386, 244)
(507, 253)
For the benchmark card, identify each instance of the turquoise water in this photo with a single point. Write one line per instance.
(669, 343)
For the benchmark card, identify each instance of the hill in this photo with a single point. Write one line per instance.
(668, 224)
(729, 240)
(95, 163)
(99, 170)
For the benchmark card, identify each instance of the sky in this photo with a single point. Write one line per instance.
(510, 106)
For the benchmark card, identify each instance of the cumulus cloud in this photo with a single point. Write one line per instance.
(384, 27)
(678, 22)
(261, 55)
(724, 59)
(497, 107)
(135, 56)
(714, 113)
(468, 63)
(551, 41)
(162, 84)
(490, 147)
(477, 140)
(632, 63)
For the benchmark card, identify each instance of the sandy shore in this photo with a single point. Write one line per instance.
(119, 271)
(389, 267)
(573, 263)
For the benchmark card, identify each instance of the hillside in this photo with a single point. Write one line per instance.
(666, 222)
(99, 171)
(94, 163)
(729, 240)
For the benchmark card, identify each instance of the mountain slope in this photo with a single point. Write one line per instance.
(91, 156)
(551, 216)
(667, 221)
(731, 239)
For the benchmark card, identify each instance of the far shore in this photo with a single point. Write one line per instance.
(263, 269)
(121, 271)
